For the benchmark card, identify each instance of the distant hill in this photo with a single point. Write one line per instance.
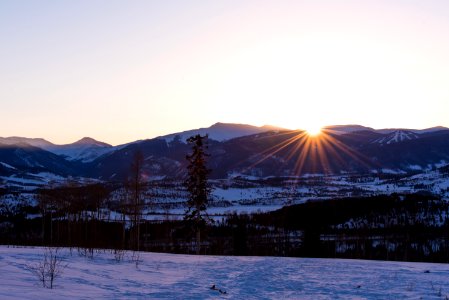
(343, 129)
(36, 142)
(221, 131)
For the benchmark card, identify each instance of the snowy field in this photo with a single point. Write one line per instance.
(168, 276)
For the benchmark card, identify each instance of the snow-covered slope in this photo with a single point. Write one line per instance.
(169, 276)
(396, 137)
(23, 158)
(343, 129)
(222, 131)
(84, 150)
(7, 166)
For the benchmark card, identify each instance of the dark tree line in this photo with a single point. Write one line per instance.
(398, 227)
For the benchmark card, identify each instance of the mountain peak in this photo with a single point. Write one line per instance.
(90, 141)
(222, 131)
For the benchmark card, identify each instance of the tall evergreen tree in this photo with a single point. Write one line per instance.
(198, 187)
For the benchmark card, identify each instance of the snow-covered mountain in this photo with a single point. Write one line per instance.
(84, 150)
(222, 131)
(87, 141)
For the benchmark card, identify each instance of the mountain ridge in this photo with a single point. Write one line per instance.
(276, 152)
(337, 129)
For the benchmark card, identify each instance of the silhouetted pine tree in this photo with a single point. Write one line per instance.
(197, 186)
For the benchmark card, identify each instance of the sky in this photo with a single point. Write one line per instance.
(119, 71)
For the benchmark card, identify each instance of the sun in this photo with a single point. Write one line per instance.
(313, 130)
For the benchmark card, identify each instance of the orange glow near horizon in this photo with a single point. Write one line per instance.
(311, 153)
(313, 130)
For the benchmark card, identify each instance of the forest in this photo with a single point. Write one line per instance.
(411, 227)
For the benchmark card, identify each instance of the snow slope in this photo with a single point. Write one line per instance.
(343, 129)
(84, 150)
(83, 153)
(7, 166)
(169, 276)
(396, 137)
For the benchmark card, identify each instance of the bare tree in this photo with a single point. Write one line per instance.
(123, 209)
(136, 186)
(49, 268)
(47, 203)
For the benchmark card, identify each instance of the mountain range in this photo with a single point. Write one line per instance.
(237, 149)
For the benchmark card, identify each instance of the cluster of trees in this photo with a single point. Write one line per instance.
(389, 227)
(87, 217)
(72, 215)
(399, 227)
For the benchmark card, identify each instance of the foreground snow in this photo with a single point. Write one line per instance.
(171, 276)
